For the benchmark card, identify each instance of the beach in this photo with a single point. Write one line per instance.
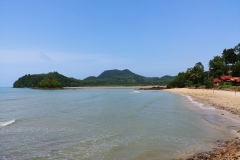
(223, 100)
(219, 99)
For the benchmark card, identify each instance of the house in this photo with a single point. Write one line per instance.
(216, 80)
(233, 80)
(226, 78)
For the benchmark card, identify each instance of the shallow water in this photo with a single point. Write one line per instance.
(107, 124)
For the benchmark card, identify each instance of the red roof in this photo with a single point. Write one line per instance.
(237, 80)
(216, 80)
(224, 78)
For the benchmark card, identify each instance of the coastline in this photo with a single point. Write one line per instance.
(219, 99)
(223, 100)
(109, 87)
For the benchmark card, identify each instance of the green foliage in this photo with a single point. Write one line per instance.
(192, 77)
(124, 78)
(229, 56)
(217, 66)
(49, 83)
(226, 85)
(208, 82)
(236, 69)
(196, 73)
(30, 81)
(227, 64)
(107, 78)
(179, 81)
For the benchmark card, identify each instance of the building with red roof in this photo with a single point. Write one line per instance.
(234, 80)
(226, 78)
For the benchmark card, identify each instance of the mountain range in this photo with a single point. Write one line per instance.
(107, 78)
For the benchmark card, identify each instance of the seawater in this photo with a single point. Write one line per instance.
(107, 124)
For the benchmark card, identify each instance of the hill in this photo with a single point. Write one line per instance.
(33, 80)
(107, 78)
(126, 78)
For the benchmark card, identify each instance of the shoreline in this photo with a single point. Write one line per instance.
(222, 100)
(109, 87)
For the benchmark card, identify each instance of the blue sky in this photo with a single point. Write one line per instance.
(81, 38)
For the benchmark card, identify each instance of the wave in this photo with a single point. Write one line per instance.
(2, 124)
(136, 92)
(200, 105)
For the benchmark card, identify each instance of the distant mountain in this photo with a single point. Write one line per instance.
(126, 77)
(107, 78)
(115, 74)
(119, 74)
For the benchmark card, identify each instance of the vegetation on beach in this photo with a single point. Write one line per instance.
(227, 64)
(107, 78)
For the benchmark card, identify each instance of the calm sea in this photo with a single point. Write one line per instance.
(118, 124)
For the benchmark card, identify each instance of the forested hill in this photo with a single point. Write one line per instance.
(118, 74)
(107, 78)
(126, 77)
(34, 80)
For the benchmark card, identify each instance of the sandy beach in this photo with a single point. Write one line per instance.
(224, 100)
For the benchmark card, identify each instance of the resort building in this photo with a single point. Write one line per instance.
(233, 80)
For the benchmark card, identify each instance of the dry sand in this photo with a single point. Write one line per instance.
(225, 100)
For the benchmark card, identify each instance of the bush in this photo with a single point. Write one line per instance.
(226, 85)
(197, 86)
(202, 87)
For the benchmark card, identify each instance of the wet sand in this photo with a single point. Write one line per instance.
(219, 99)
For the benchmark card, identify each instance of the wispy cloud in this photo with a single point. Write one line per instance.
(44, 56)
(29, 57)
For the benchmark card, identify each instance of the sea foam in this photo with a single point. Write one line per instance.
(2, 124)
(136, 92)
(200, 105)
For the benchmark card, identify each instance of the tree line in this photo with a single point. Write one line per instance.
(226, 64)
(56, 80)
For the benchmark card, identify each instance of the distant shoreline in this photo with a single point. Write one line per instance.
(111, 87)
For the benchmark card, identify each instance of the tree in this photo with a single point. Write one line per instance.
(197, 73)
(208, 82)
(179, 81)
(217, 66)
(229, 56)
(236, 69)
(49, 83)
(237, 52)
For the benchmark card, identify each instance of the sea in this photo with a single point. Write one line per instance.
(108, 124)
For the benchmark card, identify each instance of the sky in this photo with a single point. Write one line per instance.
(81, 38)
